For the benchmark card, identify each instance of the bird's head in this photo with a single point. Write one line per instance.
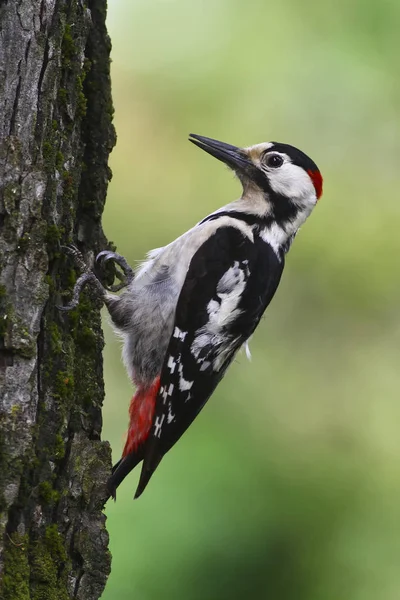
(287, 177)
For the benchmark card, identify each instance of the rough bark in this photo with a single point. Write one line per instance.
(55, 138)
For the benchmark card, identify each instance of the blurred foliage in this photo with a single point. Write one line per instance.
(287, 485)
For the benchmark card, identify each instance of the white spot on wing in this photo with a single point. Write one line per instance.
(171, 364)
(170, 416)
(164, 394)
(184, 384)
(158, 425)
(179, 334)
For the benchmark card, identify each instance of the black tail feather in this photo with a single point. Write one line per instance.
(145, 475)
(120, 470)
(143, 481)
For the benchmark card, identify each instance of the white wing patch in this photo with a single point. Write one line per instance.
(221, 312)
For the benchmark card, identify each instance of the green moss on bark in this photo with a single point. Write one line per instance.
(15, 580)
(49, 566)
(47, 493)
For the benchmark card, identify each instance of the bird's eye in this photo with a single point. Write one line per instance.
(274, 160)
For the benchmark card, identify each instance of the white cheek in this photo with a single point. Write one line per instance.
(292, 181)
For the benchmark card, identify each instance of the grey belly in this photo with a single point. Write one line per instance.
(147, 333)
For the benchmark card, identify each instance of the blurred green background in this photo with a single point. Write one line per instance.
(287, 485)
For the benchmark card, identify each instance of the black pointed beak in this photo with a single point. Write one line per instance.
(232, 156)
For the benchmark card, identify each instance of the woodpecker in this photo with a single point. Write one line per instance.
(192, 304)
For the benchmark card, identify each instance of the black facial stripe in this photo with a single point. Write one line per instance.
(282, 207)
(248, 218)
(283, 210)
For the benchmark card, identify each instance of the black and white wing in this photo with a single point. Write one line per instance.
(230, 282)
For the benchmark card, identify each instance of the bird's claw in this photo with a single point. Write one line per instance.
(86, 276)
(77, 257)
(128, 273)
(105, 255)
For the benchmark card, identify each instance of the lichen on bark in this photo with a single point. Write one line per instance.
(55, 138)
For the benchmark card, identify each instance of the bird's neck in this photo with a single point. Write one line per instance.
(278, 220)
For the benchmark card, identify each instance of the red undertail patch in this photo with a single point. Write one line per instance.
(141, 412)
(316, 178)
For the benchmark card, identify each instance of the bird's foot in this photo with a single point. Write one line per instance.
(87, 276)
(127, 275)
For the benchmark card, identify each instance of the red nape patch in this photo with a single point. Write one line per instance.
(317, 180)
(141, 412)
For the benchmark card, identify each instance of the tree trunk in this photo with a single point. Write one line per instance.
(55, 138)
